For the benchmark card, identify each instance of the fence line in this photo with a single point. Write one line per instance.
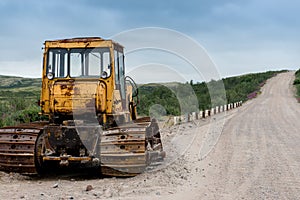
(205, 113)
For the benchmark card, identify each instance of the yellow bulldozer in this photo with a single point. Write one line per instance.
(92, 118)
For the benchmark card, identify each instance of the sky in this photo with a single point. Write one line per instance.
(238, 36)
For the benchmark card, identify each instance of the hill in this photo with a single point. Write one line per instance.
(19, 96)
(11, 86)
(18, 100)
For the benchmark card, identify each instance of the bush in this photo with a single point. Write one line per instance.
(238, 88)
(17, 109)
(29, 114)
(297, 84)
(296, 81)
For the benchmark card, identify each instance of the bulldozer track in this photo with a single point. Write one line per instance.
(123, 150)
(17, 147)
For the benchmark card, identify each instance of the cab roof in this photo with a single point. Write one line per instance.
(79, 40)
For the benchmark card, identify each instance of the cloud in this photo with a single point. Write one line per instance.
(256, 33)
(26, 68)
(171, 48)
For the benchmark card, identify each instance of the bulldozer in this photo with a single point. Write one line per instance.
(91, 111)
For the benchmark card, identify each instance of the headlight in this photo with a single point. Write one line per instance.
(104, 75)
(50, 76)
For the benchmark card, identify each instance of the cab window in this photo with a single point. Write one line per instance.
(79, 62)
(58, 63)
(90, 62)
(119, 72)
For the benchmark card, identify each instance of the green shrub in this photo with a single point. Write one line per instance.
(237, 89)
(297, 81)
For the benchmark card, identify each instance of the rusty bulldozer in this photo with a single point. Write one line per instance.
(91, 107)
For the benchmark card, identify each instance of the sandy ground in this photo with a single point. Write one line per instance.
(251, 152)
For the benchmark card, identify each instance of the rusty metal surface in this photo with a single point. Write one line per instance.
(54, 158)
(126, 150)
(74, 96)
(17, 147)
(123, 150)
(79, 39)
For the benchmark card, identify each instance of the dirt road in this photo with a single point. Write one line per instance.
(258, 153)
(252, 152)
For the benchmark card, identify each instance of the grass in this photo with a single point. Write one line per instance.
(18, 100)
(297, 84)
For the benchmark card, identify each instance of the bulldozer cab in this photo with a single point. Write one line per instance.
(85, 76)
